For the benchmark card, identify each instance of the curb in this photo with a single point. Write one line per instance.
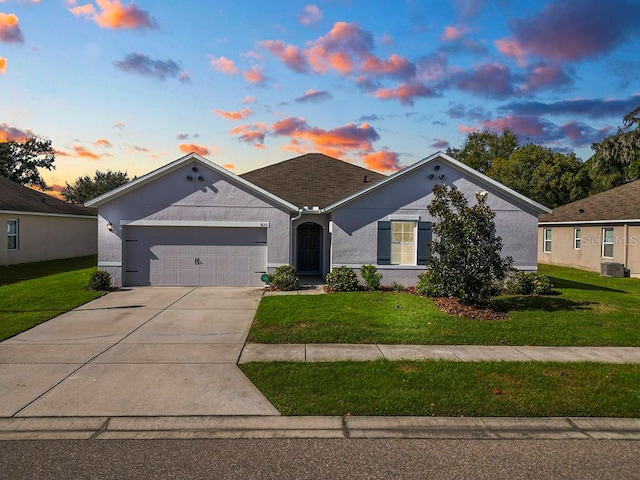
(236, 427)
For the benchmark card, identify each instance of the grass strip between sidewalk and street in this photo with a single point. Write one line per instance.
(445, 388)
(31, 293)
(585, 310)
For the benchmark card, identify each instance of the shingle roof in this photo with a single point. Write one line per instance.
(620, 203)
(313, 179)
(18, 198)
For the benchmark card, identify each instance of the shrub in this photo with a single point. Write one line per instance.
(527, 283)
(466, 261)
(100, 280)
(371, 277)
(284, 278)
(342, 279)
(428, 286)
(397, 287)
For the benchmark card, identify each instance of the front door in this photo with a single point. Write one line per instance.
(309, 240)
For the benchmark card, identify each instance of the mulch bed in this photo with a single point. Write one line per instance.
(452, 306)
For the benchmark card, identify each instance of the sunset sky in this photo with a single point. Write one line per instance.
(134, 85)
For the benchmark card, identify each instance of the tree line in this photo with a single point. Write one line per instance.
(548, 177)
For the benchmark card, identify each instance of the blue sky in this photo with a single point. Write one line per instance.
(134, 85)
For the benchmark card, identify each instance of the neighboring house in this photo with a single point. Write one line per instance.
(40, 227)
(603, 228)
(193, 222)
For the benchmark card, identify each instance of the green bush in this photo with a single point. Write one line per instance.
(284, 278)
(100, 280)
(342, 279)
(371, 277)
(527, 283)
(431, 285)
(397, 287)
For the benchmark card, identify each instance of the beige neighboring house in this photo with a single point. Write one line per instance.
(601, 229)
(40, 227)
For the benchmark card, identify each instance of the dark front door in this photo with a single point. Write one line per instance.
(309, 239)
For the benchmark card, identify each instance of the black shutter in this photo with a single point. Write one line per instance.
(384, 243)
(424, 239)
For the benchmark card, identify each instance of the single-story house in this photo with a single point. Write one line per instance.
(601, 229)
(40, 227)
(192, 222)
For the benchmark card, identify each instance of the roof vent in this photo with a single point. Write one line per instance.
(365, 180)
(581, 210)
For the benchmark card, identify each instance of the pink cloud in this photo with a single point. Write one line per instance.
(82, 152)
(289, 125)
(490, 79)
(512, 48)
(119, 125)
(13, 134)
(229, 166)
(310, 14)
(452, 33)
(568, 31)
(545, 76)
(251, 134)
(248, 99)
(191, 147)
(112, 14)
(254, 75)
(103, 142)
(314, 96)
(291, 56)
(405, 93)
(440, 143)
(236, 115)
(395, 66)
(3, 65)
(224, 65)
(382, 161)
(9, 29)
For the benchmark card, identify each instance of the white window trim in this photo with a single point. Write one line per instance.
(607, 243)
(415, 241)
(577, 239)
(16, 235)
(544, 240)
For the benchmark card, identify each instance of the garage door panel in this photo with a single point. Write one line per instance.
(194, 256)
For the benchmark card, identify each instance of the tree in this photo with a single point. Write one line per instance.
(86, 188)
(466, 259)
(616, 160)
(481, 149)
(20, 161)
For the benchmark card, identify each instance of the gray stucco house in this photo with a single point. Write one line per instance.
(192, 222)
(40, 227)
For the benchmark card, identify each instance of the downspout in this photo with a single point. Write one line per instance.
(626, 244)
(293, 219)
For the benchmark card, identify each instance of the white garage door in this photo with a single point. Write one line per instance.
(197, 256)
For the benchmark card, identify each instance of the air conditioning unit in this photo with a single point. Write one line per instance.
(610, 269)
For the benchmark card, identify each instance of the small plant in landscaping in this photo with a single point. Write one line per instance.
(284, 278)
(342, 279)
(397, 287)
(527, 283)
(100, 281)
(371, 277)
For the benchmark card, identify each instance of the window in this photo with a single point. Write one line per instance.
(607, 242)
(401, 243)
(547, 240)
(576, 238)
(12, 234)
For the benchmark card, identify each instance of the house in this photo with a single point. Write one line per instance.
(192, 222)
(40, 227)
(603, 228)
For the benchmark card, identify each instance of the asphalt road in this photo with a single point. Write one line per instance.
(321, 459)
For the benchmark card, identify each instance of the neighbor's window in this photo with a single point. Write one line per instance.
(576, 238)
(607, 242)
(403, 243)
(547, 240)
(12, 234)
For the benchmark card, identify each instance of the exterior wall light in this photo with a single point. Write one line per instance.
(110, 226)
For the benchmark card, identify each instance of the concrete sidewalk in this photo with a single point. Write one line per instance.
(254, 352)
(203, 427)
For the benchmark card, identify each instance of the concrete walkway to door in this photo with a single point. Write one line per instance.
(136, 352)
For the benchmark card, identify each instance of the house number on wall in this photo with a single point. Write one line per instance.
(198, 262)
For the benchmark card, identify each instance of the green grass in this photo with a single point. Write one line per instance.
(31, 293)
(444, 388)
(585, 310)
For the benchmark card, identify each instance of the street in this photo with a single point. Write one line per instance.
(351, 459)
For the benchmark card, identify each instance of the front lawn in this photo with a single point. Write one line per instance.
(31, 293)
(445, 388)
(585, 310)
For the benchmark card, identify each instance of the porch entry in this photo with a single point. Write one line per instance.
(309, 249)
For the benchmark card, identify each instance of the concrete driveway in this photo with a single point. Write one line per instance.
(136, 352)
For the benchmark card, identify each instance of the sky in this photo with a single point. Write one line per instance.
(132, 86)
